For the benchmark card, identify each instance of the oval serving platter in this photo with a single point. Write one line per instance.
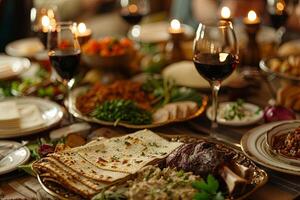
(76, 113)
(263, 64)
(258, 176)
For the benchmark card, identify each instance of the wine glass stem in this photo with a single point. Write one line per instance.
(215, 86)
(69, 85)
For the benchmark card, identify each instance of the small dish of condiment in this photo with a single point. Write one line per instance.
(284, 141)
(238, 113)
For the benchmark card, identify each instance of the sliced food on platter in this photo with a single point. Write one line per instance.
(131, 166)
(151, 103)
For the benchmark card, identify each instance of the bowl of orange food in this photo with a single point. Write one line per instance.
(108, 52)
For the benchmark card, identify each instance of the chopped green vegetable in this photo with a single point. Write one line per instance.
(122, 110)
(166, 91)
(207, 190)
(235, 109)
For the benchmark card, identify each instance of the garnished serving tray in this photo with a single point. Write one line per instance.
(76, 113)
(257, 178)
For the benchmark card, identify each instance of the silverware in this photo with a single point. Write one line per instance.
(2, 156)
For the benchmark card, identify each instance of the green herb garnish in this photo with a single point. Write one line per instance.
(235, 109)
(208, 190)
(122, 110)
(166, 91)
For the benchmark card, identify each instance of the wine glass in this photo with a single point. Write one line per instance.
(279, 12)
(215, 58)
(64, 54)
(132, 11)
(41, 19)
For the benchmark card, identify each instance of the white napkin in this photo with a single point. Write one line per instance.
(9, 115)
(30, 116)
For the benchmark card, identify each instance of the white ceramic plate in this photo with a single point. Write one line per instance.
(156, 32)
(12, 66)
(244, 122)
(51, 113)
(254, 145)
(27, 47)
(185, 74)
(14, 159)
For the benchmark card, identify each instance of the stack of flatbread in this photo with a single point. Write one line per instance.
(15, 116)
(88, 169)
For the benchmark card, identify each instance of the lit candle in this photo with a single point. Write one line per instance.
(82, 30)
(225, 13)
(175, 27)
(83, 33)
(45, 23)
(251, 18)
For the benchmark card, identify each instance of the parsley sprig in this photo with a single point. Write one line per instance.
(207, 190)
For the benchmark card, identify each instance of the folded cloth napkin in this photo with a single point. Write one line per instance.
(19, 116)
(30, 116)
(9, 115)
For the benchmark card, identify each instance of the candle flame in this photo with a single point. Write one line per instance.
(252, 15)
(225, 12)
(175, 24)
(81, 27)
(45, 21)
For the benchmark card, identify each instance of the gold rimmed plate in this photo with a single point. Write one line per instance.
(254, 145)
(257, 178)
(76, 113)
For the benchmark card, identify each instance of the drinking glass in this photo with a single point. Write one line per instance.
(64, 54)
(279, 12)
(215, 58)
(132, 11)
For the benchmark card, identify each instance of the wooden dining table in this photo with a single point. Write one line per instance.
(280, 186)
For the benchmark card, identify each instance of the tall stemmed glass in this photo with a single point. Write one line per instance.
(215, 58)
(133, 11)
(64, 54)
(279, 12)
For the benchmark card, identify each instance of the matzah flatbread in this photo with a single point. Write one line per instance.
(80, 165)
(128, 153)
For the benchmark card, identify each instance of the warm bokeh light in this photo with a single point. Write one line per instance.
(133, 8)
(81, 27)
(252, 15)
(175, 24)
(280, 6)
(225, 13)
(45, 21)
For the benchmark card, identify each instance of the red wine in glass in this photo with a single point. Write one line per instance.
(278, 19)
(132, 18)
(65, 62)
(215, 67)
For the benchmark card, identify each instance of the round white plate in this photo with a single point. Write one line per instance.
(254, 108)
(27, 47)
(255, 147)
(14, 159)
(12, 66)
(156, 32)
(50, 111)
(185, 74)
